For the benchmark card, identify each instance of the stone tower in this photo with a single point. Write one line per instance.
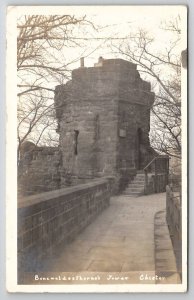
(104, 121)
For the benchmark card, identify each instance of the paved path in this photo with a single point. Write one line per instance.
(120, 241)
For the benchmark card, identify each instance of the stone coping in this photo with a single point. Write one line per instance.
(46, 196)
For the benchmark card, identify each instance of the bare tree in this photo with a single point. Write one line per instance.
(43, 43)
(40, 39)
(160, 63)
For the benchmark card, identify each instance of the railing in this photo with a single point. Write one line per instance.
(158, 168)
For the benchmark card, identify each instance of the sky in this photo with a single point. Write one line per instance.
(116, 22)
(122, 20)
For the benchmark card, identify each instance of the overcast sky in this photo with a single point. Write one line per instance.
(114, 22)
(122, 20)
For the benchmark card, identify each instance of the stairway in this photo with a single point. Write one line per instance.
(136, 187)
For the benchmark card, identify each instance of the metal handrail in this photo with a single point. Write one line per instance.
(149, 164)
(155, 158)
(155, 171)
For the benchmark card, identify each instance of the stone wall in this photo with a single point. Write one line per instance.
(38, 170)
(104, 121)
(103, 118)
(49, 220)
(175, 173)
(174, 221)
(90, 108)
(133, 150)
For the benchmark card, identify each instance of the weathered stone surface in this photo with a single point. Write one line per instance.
(49, 220)
(124, 240)
(174, 220)
(103, 118)
(104, 121)
(165, 259)
(39, 169)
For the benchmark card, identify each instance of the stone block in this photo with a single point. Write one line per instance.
(27, 239)
(62, 216)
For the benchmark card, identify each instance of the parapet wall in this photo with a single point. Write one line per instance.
(174, 221)
(39, 170)
(49, 220)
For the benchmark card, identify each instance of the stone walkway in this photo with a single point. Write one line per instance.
(120, 242)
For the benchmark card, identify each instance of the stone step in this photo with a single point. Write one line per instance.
(138, 181)
(139, 176)
(139, 187)
(141, 181)
(137, 190)
(140, 172)
(134, 185)
(132, 193)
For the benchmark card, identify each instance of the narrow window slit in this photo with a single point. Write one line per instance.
(76, 133)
